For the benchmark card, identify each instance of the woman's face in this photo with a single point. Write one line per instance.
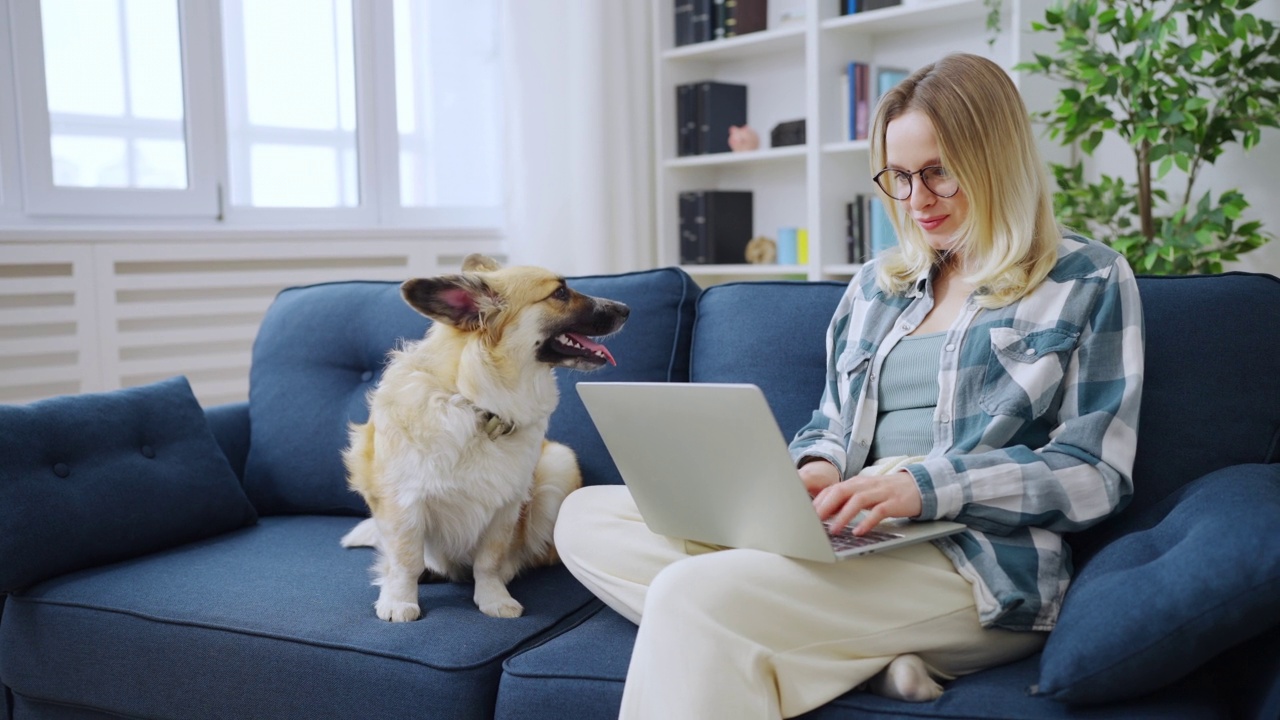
(910, 144)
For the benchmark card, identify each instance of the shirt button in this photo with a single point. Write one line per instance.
(945, 419)
(950, 347)
(906, 327)
(1031, 351)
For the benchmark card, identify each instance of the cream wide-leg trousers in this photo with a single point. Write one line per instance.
(740, 634)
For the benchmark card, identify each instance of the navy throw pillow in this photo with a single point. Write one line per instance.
(101, 477)
(1199, 576)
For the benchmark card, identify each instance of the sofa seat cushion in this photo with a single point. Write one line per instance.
(322, 348)
(580, 673)
(271, 621)
(1200, 576)
(94, 478)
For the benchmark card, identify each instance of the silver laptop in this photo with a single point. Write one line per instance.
(707, 462)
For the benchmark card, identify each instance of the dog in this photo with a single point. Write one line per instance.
(454, 463)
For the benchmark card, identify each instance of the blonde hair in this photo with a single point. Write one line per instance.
(1009, 239)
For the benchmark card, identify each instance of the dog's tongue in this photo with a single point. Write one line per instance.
(593, 346)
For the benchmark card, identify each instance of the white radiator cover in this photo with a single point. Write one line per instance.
(92, 315)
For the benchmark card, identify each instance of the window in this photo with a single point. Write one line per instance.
(359, 112)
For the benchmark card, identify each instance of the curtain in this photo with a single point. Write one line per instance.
(579, 134)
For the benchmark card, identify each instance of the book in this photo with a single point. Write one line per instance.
(868, 5)
(855, 230)
(684, 22)
(694, 249)
(686, 120)
(887, 78)
(720, 105)
(739, 17)
(862, 102)
(881, 236)
(857, 100)
(715, 226)
(702, 21)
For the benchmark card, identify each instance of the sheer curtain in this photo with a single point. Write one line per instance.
(579, 134)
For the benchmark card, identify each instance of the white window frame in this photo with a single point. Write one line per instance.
(43, 198)
(30, 196)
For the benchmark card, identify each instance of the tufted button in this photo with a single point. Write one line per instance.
(61, 470)
(366, 376)
(147, 452)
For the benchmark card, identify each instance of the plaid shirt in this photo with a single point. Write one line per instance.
(1036, 424)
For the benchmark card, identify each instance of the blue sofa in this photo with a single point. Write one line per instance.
(163, 561)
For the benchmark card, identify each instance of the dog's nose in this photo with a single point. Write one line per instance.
(623, 311)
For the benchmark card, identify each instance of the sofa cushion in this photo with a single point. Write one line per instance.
(322, 348)
(1202, 575)
(94, 478)
(771, 334)
(580, 673)
(273, 621)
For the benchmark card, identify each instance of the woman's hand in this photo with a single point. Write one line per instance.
(818, 474)
(881, 496)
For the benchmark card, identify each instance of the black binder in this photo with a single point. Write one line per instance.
(715, 226)
(720, 105)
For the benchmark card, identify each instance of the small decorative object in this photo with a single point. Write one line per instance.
(787, 133)
(762, 251)
(743, 138)
(788, 245)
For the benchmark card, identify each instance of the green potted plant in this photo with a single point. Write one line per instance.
(1179, 81)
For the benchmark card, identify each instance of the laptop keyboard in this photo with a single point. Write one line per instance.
(846, 540)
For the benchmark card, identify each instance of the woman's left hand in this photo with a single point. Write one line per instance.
(881, 496)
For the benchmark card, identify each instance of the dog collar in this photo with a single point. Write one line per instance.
(492, 424)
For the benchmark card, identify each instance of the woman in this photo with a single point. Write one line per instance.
(988, 370)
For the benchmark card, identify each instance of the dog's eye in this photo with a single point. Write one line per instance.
(561, 294)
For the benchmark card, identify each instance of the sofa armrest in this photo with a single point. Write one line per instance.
(230, 425)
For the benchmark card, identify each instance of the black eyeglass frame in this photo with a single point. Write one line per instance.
(911, 186)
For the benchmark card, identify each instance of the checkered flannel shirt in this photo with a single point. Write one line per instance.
(1035, 428)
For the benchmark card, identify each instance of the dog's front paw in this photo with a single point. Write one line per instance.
(397, 611)
(507, 608)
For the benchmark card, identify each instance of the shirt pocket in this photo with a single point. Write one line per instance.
(852, 368)
(1025, 371)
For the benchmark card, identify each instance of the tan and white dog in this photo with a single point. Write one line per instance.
(453, 462)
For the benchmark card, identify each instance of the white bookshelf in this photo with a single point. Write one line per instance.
(793, 71)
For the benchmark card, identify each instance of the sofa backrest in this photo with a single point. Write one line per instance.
(1211, 388)
(771, 334)
(322, 348)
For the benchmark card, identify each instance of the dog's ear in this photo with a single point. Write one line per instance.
(463, 301)
(475, 262)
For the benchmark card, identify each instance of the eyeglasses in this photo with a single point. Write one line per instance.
(897, 183)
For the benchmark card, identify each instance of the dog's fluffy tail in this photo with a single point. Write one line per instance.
(364, 534)
(556, 475)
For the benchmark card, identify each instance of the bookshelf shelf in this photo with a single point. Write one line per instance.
(794, 70)
(768, 155)
(768, 42)
(846, 146)
(909, 17)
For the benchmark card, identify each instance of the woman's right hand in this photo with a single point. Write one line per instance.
(817, 475)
